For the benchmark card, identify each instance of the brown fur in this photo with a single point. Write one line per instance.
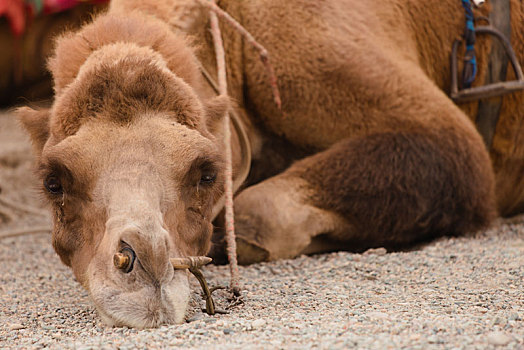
(390, 43)
(388, 159)
(119, 92)
(75, 47)
(428, 182)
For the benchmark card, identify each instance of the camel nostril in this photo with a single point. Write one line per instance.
(125, 259)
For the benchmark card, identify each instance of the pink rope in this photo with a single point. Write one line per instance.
(222, 88)
(264, 55)
(229, 219)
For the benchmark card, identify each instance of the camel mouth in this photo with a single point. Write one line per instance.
(142, 305)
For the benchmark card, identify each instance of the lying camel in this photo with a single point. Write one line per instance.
(367, 150)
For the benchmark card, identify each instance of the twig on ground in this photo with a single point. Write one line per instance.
(27, 231)
(23, 207)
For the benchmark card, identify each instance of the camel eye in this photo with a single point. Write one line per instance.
(53, 185)
(208, 179)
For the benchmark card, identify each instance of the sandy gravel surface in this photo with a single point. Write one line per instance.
(451, 294)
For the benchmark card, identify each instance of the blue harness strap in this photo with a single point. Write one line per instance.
(470, 61)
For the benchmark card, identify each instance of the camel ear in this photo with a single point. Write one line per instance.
(216, 109)
(36, 122)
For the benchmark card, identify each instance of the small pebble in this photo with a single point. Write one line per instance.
(499, 338)
(16, 326)
(514, 317)
(196, 317)
(258, 323)
(432, 339)
(378, 315)
(499, 321)
(376, 251)
(414, 337)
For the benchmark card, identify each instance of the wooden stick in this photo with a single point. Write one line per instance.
(23, 208)
(229, 217)
(193, 263)
(190, 261)
(210, 303)
(28, 231)
(264, 55)
(121, 261)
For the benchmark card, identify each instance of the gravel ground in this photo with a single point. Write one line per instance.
(453, 293)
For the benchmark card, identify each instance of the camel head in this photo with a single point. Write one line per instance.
(131, 172)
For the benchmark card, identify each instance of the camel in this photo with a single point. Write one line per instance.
(367, 150)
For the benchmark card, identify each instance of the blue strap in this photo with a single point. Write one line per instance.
(470, 61)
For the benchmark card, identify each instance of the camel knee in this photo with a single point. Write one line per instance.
(275, 220)
(403, 187)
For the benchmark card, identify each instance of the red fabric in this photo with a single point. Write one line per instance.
(15, 11)
(52, 6)
(18, 12)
